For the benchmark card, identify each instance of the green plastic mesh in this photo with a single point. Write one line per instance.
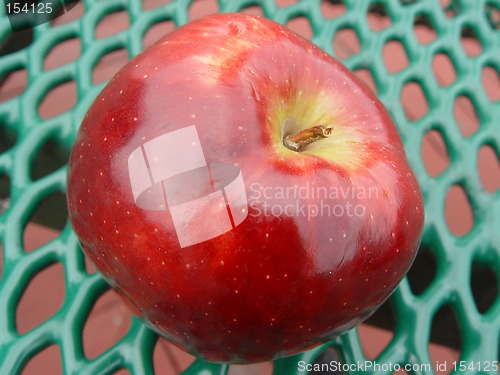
(454, 254)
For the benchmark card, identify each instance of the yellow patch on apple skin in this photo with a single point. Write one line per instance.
(304, 109)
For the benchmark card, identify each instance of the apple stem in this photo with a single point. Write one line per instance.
(297, 142)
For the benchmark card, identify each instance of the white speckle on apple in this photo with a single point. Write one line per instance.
(136, 65)
(80, 201)
(193, 115)
(236, 292)
(285, 275)
(340, 280)
(145, 76)
(116, 231)
(91, 214)
(112, 119)
(209, 302)
(121, 91)
(81, 156)
(310, 292)
(344, 235)
(100, 173)
(371, 216)
(221, 262)
(267, 276)
(135, 118)
(366, 280)
(393, 235)
(407, 223)
(178, 296)
(162, 263)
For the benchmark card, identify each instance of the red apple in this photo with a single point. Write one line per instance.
(243, 191)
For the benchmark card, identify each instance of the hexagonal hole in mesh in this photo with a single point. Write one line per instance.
(451, 8)
(377, 17)
(492, 12)
(395, 56)
(47, 221)
(366, 76)
(157, 31)
(324, 361)
(8, 138)
(490, 79)
(300, 26)
(150, 4)
(169, 359)
(254, 10)
(443, 69)
(445, 332)
(74, 10)
(109, 65)
(458, 212)
(63, 53)
(265, 368)
(46, 361)
(48, 158)
(484, 285)
(465, 115)
(41, 299)
(122, 371)
(424, 29)
(4, 192)
(434, 153)
(423, 270)
(346, 43)
(201, 8)
(108, 322)
(414, 102)
(377, 331)
(285, 3)
(470, 42)
(332, 8)
(488, 166)
(58, 100)
(12, 85)
(112, 23)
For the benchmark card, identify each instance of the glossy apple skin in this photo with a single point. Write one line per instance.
(276, 284)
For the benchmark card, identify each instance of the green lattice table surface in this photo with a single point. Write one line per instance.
(463, 33)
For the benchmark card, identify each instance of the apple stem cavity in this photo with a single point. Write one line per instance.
(297, 142)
